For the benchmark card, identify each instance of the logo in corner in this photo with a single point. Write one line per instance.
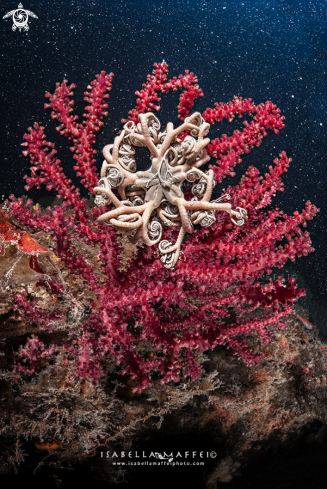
(20, 18)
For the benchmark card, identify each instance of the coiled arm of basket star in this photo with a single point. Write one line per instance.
(154, 198)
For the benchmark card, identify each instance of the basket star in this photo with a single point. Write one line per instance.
(154, 198)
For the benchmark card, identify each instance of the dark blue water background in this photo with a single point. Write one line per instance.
(267, 50)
